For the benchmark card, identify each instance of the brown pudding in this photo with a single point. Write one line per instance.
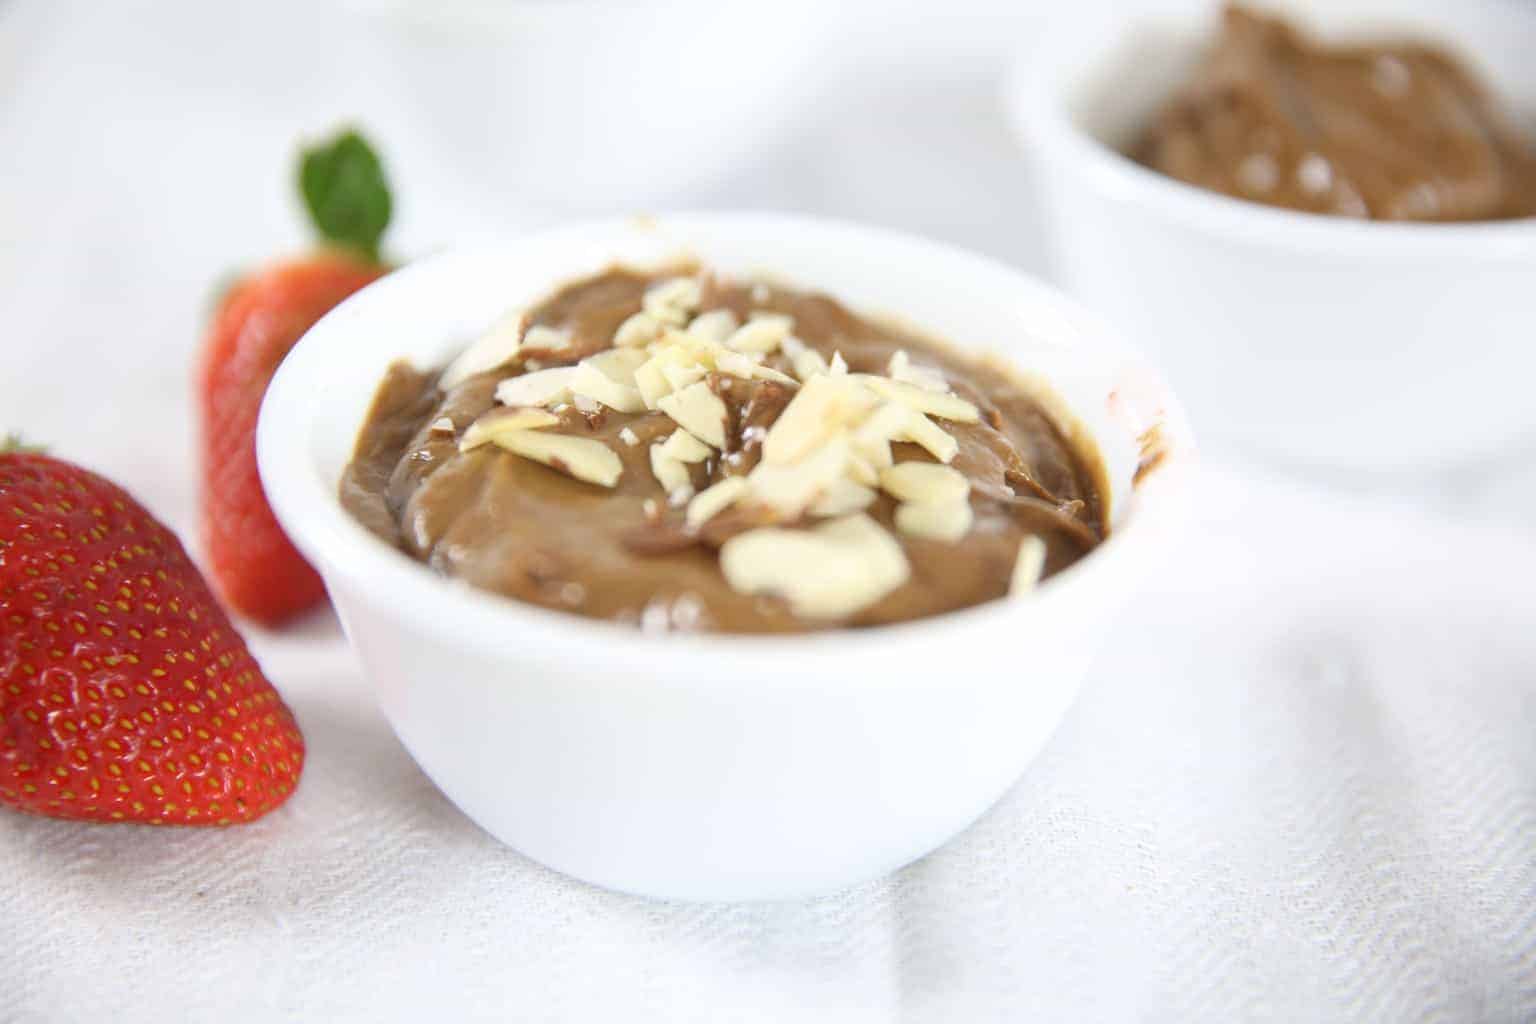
(686, 452)
(1387, 131)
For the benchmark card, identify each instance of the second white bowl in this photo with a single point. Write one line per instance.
(1317, 339)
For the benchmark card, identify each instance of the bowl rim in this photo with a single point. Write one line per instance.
(1069, 51)
(307, 505)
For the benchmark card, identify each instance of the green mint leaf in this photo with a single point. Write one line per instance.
(344, 189)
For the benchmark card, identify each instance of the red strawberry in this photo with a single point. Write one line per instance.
(256, 569)
(125, 693)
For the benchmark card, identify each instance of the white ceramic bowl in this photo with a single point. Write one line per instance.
(714, 767)
(1309, 337)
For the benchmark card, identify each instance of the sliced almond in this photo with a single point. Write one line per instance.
(684, 447)
(836, 569)
(492, 425)
(492, 349)
(737, 364)
(638, 331)
(925, 482)
(901, 368)
(920, 430)
(791, 488)
(672, 365)
(584, 458)
(862, 471)
(713, 500)
(1028, 566)
(822, 406)
(543, 338)
(441, 425)
(541, 387)
(651, 382)
(618, 363)
(680, 376)
(931, 403)
(937, 520)
(673, 301)
(808, 363)
(591, 382)
(842, 498)
(872, 438)
(763, 333)
(761, 372)
(671, 473)
(699, 411)
(714, 326)
(863, 532)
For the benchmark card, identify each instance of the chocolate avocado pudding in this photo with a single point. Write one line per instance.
(686, 452)
(1391, 130)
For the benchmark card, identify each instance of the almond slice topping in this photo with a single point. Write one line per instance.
(937, 520)
(842, 498)
(713, 500)
(637, 331)
(822, 406)
(492, 425)
(769, 373)
(790, 488)
(830, 571)
(872, 438)
(671, 473)
(808, 363)
(762, 334)
(680, 376)
(714, 326)
(1028, 566)
(684, 447)
(920, 430)
(618, 363)
(608, 378)
(584, 458)
(699, 411)
(651, 382)
(737, 364)
(925, 482)
(673, 301)
(544, 338)
(541, 387)
(494, 348)
(862, 471)
(903, 369)
(932, 403)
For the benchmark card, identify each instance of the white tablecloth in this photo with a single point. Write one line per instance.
(1300, 783)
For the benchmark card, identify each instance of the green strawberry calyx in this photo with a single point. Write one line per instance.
(344, 188)
(14, 444)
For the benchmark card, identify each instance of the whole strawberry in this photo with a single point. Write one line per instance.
(257, 570)
(125, 693)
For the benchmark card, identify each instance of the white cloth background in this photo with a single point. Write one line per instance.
(1300, 783)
